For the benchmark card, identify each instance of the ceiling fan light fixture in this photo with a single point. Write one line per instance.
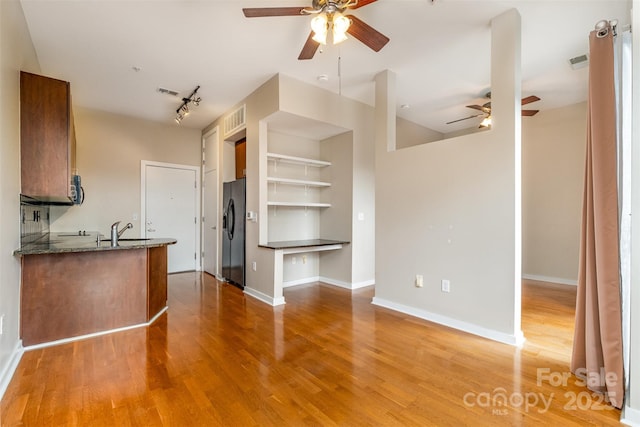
(486, 122)
(340, 25)
(319, 25)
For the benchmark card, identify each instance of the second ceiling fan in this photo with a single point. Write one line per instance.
(329, 15)
(486, 109)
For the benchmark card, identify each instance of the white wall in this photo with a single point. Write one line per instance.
(16, 53)
(553, 153)
(451, 209)
(336, 222)
(109, 150)
(409, 134)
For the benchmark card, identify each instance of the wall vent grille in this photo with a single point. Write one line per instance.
(235, 121)
(579, 61)
(167, 91)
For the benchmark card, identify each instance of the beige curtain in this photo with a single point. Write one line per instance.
(597, 346)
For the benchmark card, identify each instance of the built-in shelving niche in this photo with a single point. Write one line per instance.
(309, 191)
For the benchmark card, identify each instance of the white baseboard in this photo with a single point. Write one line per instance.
(7, 373)
(328, 281)
(550, 279)
(263, 297)
(304, 281)
(346, 285)
(95, 334)
(515, 340)
(630, 416)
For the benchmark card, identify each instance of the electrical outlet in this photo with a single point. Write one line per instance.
(254, 266)
(294, 260)
(304, 259)
(446, 285)
(419, 281)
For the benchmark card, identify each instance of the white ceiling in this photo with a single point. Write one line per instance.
(440, 52)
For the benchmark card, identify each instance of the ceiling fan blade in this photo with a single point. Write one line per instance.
(362, 3)
(529, 113)
(366, 34)
(257, 12)
(478, 107)
(466, 118)
(309, 48)
(529, 99)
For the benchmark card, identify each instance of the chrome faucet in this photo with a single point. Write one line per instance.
(115, 233)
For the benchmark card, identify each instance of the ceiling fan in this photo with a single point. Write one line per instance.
(486, 110)
(329, 14)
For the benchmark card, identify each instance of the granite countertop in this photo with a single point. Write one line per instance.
(302, 243)
(68, 243)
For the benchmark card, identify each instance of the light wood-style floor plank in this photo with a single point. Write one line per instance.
(328, 357)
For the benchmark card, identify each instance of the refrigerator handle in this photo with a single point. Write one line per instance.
(232, 220)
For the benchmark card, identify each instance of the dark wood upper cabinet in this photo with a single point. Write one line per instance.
(47, 138)
(241, 158)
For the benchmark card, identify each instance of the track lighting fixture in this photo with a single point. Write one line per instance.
(183, 110)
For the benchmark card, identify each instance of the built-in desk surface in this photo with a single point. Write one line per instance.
(290, 244)
(288, 247)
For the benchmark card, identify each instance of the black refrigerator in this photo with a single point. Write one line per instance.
(233, 222)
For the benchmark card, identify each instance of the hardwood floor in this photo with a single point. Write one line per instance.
(328, 357)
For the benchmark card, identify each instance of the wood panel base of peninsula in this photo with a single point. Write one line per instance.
(66, 295)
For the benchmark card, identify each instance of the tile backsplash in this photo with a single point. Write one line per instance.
(34, 223)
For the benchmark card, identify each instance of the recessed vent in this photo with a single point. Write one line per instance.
(235, 121)
(579, 61)
(167, 91)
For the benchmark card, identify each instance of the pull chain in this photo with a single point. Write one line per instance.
(339, 74)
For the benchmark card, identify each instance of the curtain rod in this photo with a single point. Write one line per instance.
(603, 26)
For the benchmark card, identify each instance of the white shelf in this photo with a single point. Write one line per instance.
(298, 160)
(298, 182)
(300, 204)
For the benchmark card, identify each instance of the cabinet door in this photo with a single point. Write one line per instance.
(241, 159)
(45, 116)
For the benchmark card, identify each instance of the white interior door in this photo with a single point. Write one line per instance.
(171, 212)
(210, 205)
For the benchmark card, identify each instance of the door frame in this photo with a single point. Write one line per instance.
(215, 131)
(198, 210)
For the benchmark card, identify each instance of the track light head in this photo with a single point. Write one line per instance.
(183, 110)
